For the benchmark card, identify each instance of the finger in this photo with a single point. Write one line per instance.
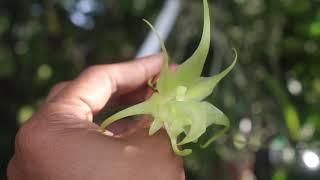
(136, 96)
(173, 67)
(56, 89)
(130, 98)
(93, 88)
(132, 75)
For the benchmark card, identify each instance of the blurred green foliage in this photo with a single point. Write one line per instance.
(273, 93)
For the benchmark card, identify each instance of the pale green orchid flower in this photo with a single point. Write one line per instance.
(178, 104)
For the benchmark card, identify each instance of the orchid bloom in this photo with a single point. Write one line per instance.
(177, 104)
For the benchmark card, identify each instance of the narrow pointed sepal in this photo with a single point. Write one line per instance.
(142, 108)
(204, 86)
(176, 149)
(191, 69)
(217, 117)
(163, 82)
(155, 126)
(197, 114)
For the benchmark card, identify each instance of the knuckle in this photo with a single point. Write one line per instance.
(12, 170)
(59, 85)
(29, 150)
(93, 68)
(23, 137)
(27, 138)
(56, 89)
(142, 68)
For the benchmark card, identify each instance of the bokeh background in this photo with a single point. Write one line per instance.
(272, 97)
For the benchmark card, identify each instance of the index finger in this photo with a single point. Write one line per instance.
(93, 88)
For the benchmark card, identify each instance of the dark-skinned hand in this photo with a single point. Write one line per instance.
(61, 142)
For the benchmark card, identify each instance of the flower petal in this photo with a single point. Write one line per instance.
(175, 148)
(215, 116)
(155, 126)
(204, 86)
(191, 69)
(163, 84)
(146, 107)
(197, 113)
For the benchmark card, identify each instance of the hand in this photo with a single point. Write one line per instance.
(60, 141)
